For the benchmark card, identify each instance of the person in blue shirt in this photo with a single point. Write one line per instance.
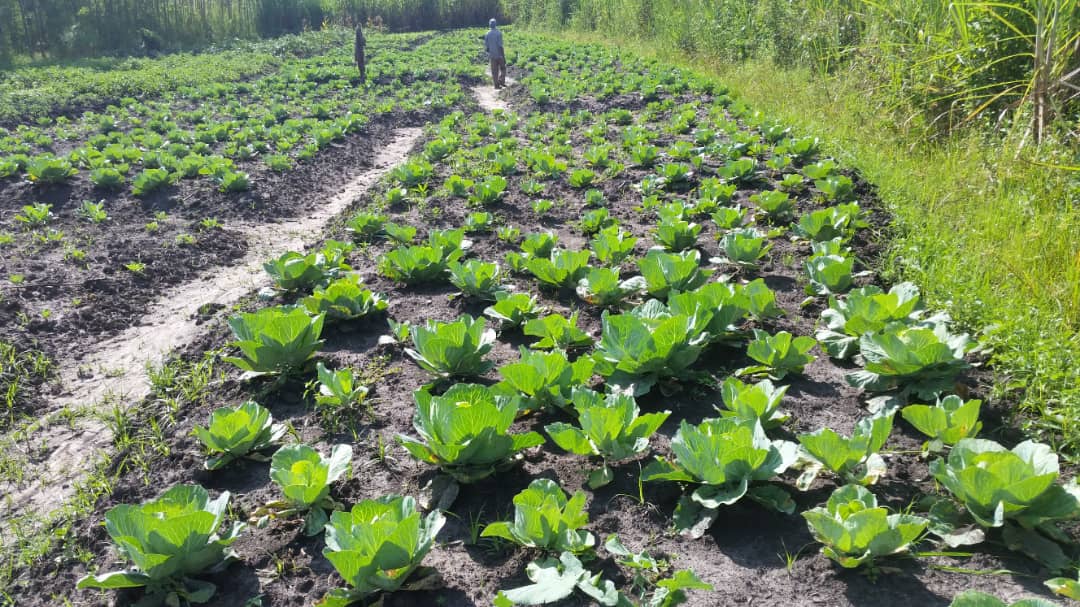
(493, 44)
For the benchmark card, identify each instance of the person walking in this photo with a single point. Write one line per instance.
(358, 53)
(493, 44)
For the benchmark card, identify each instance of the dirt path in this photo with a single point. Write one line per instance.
(114, 372)
(489, 98)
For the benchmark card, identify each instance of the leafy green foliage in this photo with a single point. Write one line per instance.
(513, 309)
(563, 269)
(305, 476)
(592, 222)
(167, 540)
(744, 247)
(150, 180)
(556, 579)
(366, 226)
(338, 389)
(603, 287)
(612, 245)
(35, 215)
(829, 274)
(947, 422)
(677, 236)
(241, 431)
(476, 279)
(865, 310)
(545, 519)
(545, 379)
(275, 340)
(666, 272)
(854, 459)
(345, 299)
(489, 191)
(723, 457)
(49, 170)
(995, 484)
(974, 598)
(298, 272)
(760, 401)
(609, 426)
(779, 354)
(649, 344)
(539, 244)
(725, 302)
(377, 546)
(557, 331)
(777, 205)
(854, 531)
(464, 431)
(920, 361)
(454, 348)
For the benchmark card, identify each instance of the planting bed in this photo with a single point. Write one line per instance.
(580, 105)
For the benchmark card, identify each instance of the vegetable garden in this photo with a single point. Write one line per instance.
(621, 344)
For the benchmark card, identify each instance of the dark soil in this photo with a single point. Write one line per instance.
(744, 554)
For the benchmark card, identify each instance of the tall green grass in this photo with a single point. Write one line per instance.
(989, 233)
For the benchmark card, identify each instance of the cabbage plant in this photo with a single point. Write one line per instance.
(603, 287)
(557, 331)
(562, 269)
(294, 271)
(744, 247)
(727, 304)
(338, 389)
(974, 598)
(779, 354)
(666, 272)
(304, 476)
(996, 484)
(168, 540)
(760, 401)
(649, 344)
(513, 309)
(865, 310)
(546, 520)
(378, 546)
(677, 236)
(919, 360)
(345, 299)
(609, 426)
(465, 431)
(723, 457)
(236, 432)
(829, 274)
(946, 423)
(854, 459)
(545, 379)
(452, 348)
(612, 245)
(275, 340)
(855, 531)
(476, 279)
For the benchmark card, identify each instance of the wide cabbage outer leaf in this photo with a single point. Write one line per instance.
(236, 432)
(996, 484)
(854, 459)
(546, 379)
(865, 310)
(513, 309)
(545, 519)
(946, 423)
(639, 348)
(557, 331)
(275, 340)
(168, 539)
(554, 580)
(602, 287)
(610, 427)
(974, 598)
(561, 270)
(726, 303)
(464, 431)
(377, 546)
(723, 456)
(855, 531)
(779, 354)
(1066, 587)
(345, 299)
(304, 476)
(760, 401)
(455, 348)
(664, 272)
(922, 361)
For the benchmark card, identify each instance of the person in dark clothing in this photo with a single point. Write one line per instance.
(493, 44)
(358, 54)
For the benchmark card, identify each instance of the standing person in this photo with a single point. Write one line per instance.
(358, 53)
(493, 44)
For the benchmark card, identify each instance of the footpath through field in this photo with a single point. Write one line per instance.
(65, 452)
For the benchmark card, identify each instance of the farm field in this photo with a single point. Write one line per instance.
(606, 224)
